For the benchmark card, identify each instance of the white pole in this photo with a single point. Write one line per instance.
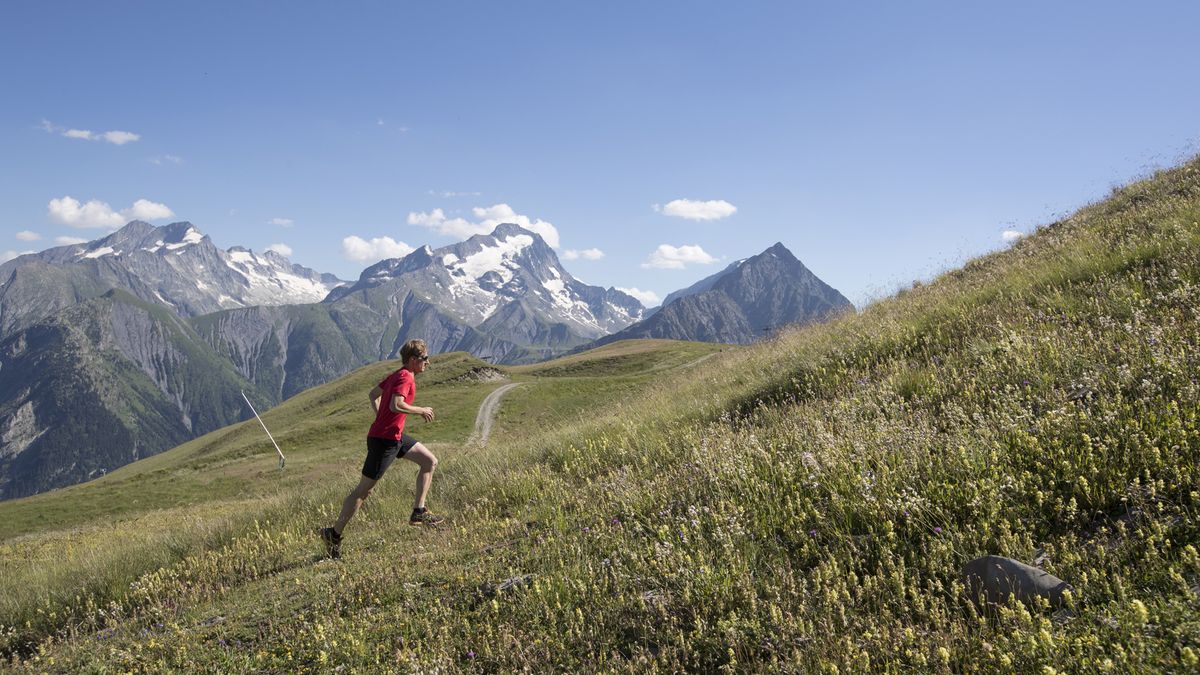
(264, 426)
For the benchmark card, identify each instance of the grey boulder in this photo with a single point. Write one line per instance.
(994, 578)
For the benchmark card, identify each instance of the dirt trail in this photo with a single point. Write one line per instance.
(487, 412)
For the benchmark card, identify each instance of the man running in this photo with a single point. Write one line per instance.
(392, 401)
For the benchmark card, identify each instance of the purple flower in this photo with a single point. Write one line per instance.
(812, 533)
(616, 521)
(471, 654)
(586, 530)
(937, 530)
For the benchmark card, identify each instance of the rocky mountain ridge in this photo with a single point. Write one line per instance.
(175, 265)
(742, 303)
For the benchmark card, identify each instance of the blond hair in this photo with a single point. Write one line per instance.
(414, 347)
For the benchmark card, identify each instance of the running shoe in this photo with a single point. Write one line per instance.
(424, 517)
(333, 541)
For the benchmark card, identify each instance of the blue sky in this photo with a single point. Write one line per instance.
(880, 142)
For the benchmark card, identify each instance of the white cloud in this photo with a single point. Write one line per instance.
(115, 137)
(647, 298)
(667, 257)
(1011, 235)
(691, 209)
(26, 235)
(282, 222)
(119, 137)
(586, 254)
(282, 249)
(486, 220)
(166, 159)
(360, 250)
(452, 193)
(69, 241)
(437, 221)
(5, 256)
(144, 209)
(97, 214)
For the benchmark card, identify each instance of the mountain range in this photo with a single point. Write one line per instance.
(128, 345)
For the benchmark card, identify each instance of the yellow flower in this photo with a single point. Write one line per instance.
(1140, 612)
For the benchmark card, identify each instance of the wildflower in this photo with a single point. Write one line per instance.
(812, 533)
(471, 654)
(937, 530)
(1140, 612)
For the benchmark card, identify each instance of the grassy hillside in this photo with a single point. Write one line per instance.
(803, 504)
(94, 539)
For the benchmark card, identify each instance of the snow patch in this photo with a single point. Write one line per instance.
(164, 300)
(497, 258)
(189, 238)
(243, 257)
(101, 252)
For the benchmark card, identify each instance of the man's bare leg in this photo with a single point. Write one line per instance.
(428, 463)
(353, 503)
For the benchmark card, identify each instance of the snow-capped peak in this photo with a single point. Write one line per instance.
(474, 280)
(498, 258)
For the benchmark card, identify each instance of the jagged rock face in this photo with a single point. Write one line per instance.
(175, 265)
(742, 303)
(104, 383)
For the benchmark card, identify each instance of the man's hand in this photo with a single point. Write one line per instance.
(427, 413)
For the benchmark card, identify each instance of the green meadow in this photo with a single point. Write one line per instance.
(800, 505)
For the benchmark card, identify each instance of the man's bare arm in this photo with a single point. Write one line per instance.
(375, 395)
(399, 406)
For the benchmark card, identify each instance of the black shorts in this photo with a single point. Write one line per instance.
(381, 452)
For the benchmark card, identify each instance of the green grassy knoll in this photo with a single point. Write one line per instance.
(801, 505)
(562, 392)
(628, 357)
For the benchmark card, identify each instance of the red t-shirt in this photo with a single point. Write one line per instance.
(390, 424)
